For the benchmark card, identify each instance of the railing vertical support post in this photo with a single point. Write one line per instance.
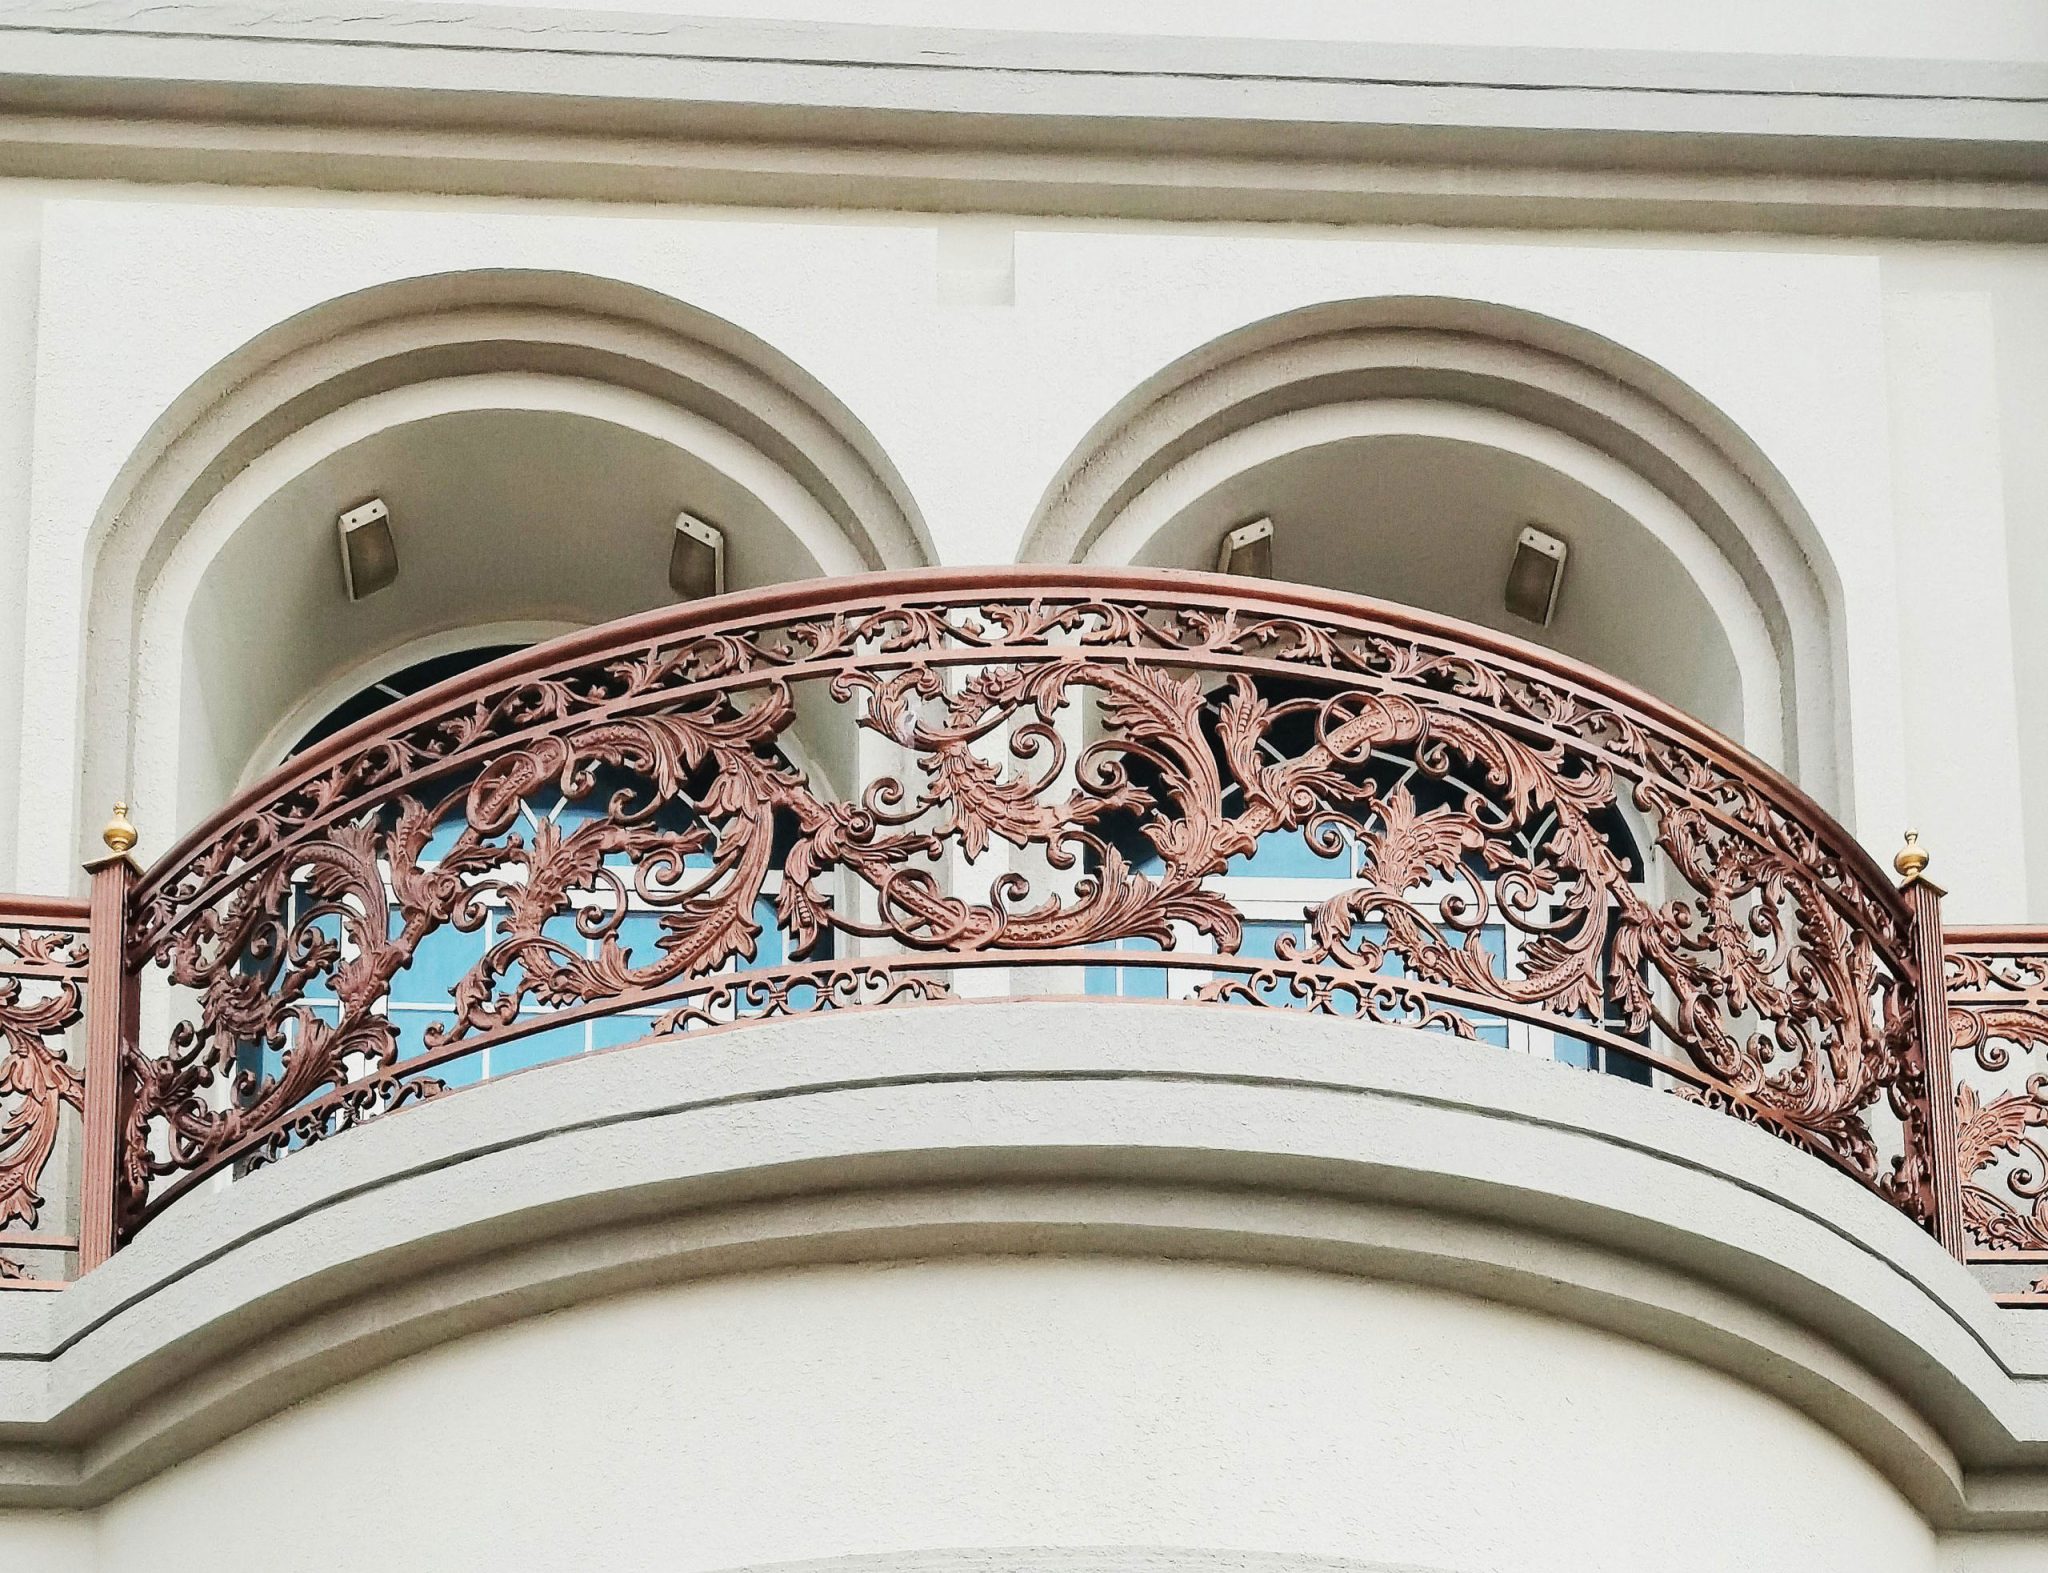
(112, 1015)
(1937, 1045)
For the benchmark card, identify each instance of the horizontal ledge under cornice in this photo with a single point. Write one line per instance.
(1554, 182)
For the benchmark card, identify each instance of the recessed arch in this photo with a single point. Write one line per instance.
(621, 358)
(1503, 381)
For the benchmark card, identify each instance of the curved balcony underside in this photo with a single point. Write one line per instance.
(892, 790)
(1262, 1141)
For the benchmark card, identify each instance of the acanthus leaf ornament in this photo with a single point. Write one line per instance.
(1997, 985)
(1052, 773)
(43, 970)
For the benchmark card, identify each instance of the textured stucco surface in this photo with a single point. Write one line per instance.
(1221, 1136)
(875, 1409)
(979, 405)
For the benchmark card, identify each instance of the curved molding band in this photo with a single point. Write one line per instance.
(1747, 640)
(1546, 373)
(1085, 1128)
(443, 329)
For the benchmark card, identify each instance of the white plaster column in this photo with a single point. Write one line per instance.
(20, 226)
(1956, 668)
(2022, 319)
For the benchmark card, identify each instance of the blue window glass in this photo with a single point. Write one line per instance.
(1135, 981)
(1289, 854)
(421, 996)
(1286, 873)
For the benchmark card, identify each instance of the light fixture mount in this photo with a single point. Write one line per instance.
(1247, 550)
(369, 552)
(696, 559)
(1535, 575)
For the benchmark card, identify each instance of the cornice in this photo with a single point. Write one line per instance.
(561, 104)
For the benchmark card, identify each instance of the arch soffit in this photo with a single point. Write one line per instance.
(161, 608)
(1248, 448)
(441, 329)
(449, 325)
(1544, 371)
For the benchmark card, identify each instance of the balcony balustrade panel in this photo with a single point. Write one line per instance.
(901, 790)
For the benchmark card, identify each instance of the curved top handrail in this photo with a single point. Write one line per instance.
(717, 614)
(615, 821)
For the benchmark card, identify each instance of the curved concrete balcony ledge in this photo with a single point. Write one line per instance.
(1043, 1130)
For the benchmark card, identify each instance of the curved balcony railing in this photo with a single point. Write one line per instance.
(890, 791)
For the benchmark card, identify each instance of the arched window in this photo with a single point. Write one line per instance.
(534, 436)
(401, 684)
(1400, 444)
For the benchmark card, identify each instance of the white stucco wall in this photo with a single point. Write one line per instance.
(49, 1542)
(20, 261)
(978, 404)
(1987, 30)
(1956, 632)
(1826, 356)
(1038, 1403)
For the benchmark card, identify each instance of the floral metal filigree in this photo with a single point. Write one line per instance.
(42, 996)
(1998, 1021)
(1044, 774)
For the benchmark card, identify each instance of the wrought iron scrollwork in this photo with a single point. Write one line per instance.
(1040, 772)
(43, 962)
(1998, 1021)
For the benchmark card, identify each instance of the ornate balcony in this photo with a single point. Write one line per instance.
(887, 792)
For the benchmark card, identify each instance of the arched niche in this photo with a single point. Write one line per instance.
(1400, 443)
(535, 435)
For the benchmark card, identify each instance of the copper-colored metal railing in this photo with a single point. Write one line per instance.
(1997, 995)
(900, 789)
(44, 976)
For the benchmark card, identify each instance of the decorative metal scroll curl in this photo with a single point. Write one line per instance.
(1049, 772)
(43, 966)
(1998, 1019)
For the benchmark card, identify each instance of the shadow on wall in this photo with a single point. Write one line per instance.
(1400, 444)
(535, 435)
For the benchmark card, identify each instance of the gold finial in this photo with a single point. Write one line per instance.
(1912, 859)
(119, 834)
